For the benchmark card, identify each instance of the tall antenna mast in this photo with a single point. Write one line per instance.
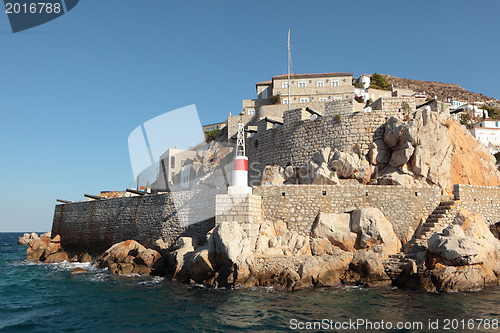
(289, 63)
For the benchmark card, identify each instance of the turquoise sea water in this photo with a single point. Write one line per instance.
(47, 298)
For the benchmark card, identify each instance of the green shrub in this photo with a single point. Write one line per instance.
(210, 135)
(338, 118)
(276, 99)
(377, 81)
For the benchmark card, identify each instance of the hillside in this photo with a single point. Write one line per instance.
(442, 90)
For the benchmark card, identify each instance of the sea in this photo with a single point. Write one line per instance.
(37, 297)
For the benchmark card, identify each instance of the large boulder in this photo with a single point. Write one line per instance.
(335, 228)
(395, 176)
(374, 229)
(130, 257)
(393, 129)
(421, 147)
(350, 165)
(452, 244)
(379, 152)
(465, 256)
(367, 267)
(37, 248)
(179, 258)
(475, 227)
(463, 278)
(323, 175)
(203, 265)
(232, 245)
(27, 238)
(401, 156)
(324, 270)
(273, 175)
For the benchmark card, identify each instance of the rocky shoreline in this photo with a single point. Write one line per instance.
(357, 248)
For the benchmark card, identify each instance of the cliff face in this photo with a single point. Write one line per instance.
(471, 162)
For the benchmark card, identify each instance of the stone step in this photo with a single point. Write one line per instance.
(447, 203)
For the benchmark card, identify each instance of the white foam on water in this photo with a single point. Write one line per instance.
(152, 281)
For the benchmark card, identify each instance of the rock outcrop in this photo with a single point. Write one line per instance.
(130, 257)
(471, 162)
(333, 255)
(46, 249)
(430, 149)
(27, 238)
(465, 256)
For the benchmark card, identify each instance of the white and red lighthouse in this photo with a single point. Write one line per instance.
(240, 165)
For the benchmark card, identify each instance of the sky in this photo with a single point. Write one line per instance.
(73, 89)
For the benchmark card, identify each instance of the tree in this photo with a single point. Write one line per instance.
(493, 113)
(377, 81)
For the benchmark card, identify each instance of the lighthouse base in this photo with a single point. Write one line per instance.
(239, 190)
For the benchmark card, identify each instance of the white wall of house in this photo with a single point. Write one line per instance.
(487, 132)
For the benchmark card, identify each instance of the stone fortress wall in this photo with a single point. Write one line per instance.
(98, 224)
(301, 136)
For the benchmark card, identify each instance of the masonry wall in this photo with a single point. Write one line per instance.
(98, 224)
(298, 205)
(480, 199)
(246, 209)
(300, 137)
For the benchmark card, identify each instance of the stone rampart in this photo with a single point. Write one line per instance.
(298, 205)
(96, 225)
(480, 199)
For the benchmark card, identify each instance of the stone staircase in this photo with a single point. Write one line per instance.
(441, 217)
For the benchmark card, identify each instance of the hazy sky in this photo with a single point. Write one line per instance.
(72, 90)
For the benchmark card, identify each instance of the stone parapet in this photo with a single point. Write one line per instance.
(299, 205)
(482, 200)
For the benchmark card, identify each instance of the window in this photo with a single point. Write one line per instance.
(301, 84)
(323, 99)
(496, 123)
(335, 83)
(304, 100)
(264, 93)
(320, 84)
(284, 84)
(337, 98)
(285, 101)
(172, 162)
(481, 125)
(250, 112)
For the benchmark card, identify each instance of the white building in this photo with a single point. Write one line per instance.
(475, 109)
(487, 132)
(456, 104)
(170, 164)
